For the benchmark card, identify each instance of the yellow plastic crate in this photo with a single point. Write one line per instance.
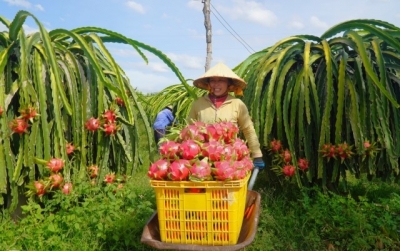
(204, 213)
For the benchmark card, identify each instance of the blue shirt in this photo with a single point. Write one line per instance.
(164, 118)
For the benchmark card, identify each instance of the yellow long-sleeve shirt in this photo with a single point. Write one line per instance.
(232, 110)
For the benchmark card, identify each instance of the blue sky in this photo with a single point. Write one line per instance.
(176, 27)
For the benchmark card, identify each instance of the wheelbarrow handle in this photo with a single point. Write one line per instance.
(253, 178)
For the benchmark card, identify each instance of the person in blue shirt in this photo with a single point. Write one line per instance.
(164, 119)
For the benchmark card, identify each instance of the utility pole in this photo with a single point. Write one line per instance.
(207, 24)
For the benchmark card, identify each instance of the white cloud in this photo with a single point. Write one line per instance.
(195, 34)
(136, 7)
(158, 67)
(148, 82)
(24, 4)
(219, 32)
(20, 3)
(187, 61)
(39, 7)
(296, 24)
(316, 22)
(119, 51)
(174, 18)
(127, 57)
(195, 4)
(130, 61)
(29, 30)
(250, 11)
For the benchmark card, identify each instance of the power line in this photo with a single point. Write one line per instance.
(246, 45)
(234, 35)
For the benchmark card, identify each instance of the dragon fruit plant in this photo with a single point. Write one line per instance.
(202, 152)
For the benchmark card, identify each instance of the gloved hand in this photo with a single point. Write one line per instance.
(259, 163)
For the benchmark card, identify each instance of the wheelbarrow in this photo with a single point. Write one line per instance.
(151, 231)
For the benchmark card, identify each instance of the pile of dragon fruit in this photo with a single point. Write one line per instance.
(202, 152)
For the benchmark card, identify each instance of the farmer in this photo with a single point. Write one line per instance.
(164, 119)
(218, 105)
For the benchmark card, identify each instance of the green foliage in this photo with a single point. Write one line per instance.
(93, 217)
(339, 88)
(180, 96)
(313, 220)
(67, 77)
(98, 218)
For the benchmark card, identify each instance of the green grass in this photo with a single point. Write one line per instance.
(367, 218)
(98, 218)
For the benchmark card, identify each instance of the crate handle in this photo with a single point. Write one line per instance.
(195, 190)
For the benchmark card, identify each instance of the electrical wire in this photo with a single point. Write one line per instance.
(234, 35)
(241, 40)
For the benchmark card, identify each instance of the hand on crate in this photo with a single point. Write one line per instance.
(259, 163)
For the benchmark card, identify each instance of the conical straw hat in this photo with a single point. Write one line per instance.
(219, 70)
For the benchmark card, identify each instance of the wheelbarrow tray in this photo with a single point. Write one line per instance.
(151, 232)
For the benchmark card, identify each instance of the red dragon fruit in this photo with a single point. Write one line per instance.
(67, 188)
(286, 156)
(40, 187)
(93, 171)
(189, 149)
(200, 171)
(200, 125)
(109, 116)
(119, 101)
(109, 178)
(275, 146)
(247, 163)
(193, 131)
(240, 170)
(289, 170)
(55, 165)
(110, 128)
(19, 126)
(56, 180)
(92, 124)
(241, 148)
(158, 170)
(28, 113)
(213, 150)
(303, 164)
(204, 152)
(344, 151)
(70, 148)
(367, 145)
(214, 132)
(228, 153)
(179, 170)
(169, 149)
(328, 151)
(224, 170)
(231, 131)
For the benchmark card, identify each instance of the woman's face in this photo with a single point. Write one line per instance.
(219, 86)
